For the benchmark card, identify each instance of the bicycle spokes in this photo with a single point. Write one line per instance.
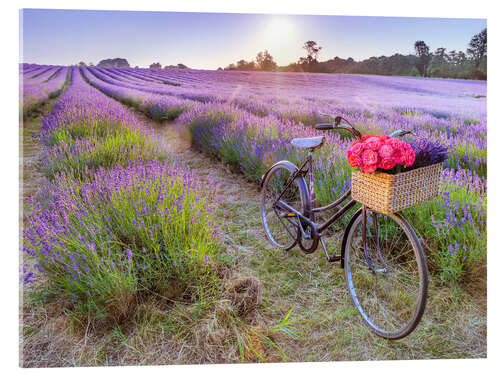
(386, 274)
(281, 224)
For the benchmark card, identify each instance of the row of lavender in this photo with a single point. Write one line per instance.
(120, 219)
(38, 83)
(254, 135)
(465, 136)
(462, 128)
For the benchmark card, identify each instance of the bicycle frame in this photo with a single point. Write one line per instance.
(311, 209)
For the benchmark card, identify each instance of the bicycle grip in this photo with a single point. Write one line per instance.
(323, 126)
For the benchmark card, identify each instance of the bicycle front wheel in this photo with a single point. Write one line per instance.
(388, 278)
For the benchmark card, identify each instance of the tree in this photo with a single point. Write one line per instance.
(265, 61)
(312, 49)
(81, 63)
(243, 65)
(422, 51)
(437, 65)
(451, 56)
(114, 63)
(441, 52)
(156, 65)
(478, 47)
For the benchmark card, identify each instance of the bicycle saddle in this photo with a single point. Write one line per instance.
(311, 143)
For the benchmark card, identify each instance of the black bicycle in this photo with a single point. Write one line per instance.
(383, 260)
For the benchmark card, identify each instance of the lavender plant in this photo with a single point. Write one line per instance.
(147, 227)
(47, 84)
(87, 130)
(427, 153)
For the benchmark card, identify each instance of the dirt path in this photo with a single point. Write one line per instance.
(454, 325)
(30, 179)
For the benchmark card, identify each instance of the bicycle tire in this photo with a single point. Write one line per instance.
(379, 296)
(282, 170)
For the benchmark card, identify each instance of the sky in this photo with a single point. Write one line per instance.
(212, 40)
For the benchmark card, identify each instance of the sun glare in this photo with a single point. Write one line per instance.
(279, 29)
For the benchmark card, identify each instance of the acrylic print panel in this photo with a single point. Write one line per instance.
(163, 218)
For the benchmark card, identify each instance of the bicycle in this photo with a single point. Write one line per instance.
(383, 261)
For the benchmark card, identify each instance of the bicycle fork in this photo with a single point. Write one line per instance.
(377, 242)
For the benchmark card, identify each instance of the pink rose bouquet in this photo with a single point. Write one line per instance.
(374, 152)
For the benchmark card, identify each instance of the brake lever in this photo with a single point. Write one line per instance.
(337, 121)
(338, 124)
(400, 133)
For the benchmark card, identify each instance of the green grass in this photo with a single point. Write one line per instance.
(81, 158)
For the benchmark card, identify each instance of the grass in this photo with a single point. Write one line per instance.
(333, 328)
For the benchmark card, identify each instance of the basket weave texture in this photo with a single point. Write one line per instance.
(388, 193)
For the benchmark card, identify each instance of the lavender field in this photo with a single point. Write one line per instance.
(121, 218)
(248, 120)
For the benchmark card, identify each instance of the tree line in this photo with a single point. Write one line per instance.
(263, 61)
(119, 62)
(471, 64)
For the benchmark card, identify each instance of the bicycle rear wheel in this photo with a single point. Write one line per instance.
(388, 281)
(281, 226)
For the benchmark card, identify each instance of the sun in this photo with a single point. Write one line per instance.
(279, 29)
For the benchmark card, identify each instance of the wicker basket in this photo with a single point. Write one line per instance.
(388, 193)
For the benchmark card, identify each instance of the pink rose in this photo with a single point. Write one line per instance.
(373, 143)
(379, 151)
(395, 143)
(387, 163)
(354, 161)
(383, 137)
(409, 155)
(385, 151)
(365, 137)
(369, 168)
(398, 157)
(357, 149)
(370, 157)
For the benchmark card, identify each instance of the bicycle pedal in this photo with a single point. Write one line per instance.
(291, 214)
(335, 258)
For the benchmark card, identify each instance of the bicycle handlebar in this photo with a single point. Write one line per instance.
(323, 126)
(338, 125)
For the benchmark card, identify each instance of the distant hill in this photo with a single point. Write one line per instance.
(114, 63)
